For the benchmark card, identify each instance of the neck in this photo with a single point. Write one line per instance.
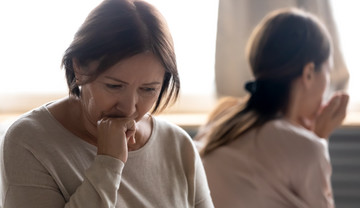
(294, 110)
(83, 128)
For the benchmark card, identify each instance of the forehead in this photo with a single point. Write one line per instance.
(143, 65)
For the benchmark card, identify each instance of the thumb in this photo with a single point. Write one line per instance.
(130, 129)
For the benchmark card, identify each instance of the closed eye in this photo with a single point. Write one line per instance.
(148, 89)
(112, 86)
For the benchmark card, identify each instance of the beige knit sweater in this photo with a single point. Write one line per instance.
(46, 166)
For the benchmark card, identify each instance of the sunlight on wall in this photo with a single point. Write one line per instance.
(347, 15)
(36, 33)
(34, 36)
(193, 25)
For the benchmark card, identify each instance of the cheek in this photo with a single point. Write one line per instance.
(311, 107)
(324, 84)
(325, 81)
(93, 103)
(318, 97)
(147, 104)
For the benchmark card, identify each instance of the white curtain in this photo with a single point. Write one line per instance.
(237, 19)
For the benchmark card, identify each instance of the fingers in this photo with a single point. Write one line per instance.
(338, 106)
(331, 115)
(341, 111)
(118, 125)
(132, 140)
(130, 129)
(114, 134)
(331, 107)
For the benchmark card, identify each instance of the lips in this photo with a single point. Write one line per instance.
(118, 115)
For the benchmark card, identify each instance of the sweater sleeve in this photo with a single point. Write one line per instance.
(100, 186)
(27, 183)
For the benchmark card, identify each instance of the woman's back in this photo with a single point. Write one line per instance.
(275, 165)
(271, 151)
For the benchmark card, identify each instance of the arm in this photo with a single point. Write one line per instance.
(28, 184)
(100, 186)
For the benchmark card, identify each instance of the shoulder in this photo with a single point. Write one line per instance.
(32, 129)
(27, 123)
(167, 128)
(173, 136)
(294, 140)
(21, 135)
(287, 132)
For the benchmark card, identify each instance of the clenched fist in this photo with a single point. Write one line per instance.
(114, 134)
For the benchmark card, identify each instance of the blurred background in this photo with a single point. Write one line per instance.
(209, 37)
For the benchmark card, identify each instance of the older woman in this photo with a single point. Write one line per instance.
(100, 146)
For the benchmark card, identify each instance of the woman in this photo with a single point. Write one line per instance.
(271, 150)
(99, 147)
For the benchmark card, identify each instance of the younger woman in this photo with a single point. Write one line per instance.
(271, 151)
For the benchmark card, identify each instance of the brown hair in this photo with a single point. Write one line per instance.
(278, 49)
(119, 29)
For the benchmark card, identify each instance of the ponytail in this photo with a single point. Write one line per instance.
(267, 99)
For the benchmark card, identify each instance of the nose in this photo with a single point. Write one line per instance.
(127, 104)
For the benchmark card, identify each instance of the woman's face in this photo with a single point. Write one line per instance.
(314, 98)
(127, 89)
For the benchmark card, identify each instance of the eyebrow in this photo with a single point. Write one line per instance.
(118, 80)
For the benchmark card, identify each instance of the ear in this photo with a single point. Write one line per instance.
(77, 70)
(308, 75)
(76, 65)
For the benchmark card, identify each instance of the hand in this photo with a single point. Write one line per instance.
(114, 134)
(331, 115)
